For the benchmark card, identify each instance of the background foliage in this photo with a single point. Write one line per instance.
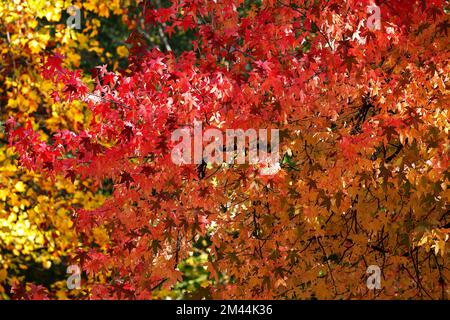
(37, 236)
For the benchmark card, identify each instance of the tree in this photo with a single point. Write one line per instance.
(363, 120)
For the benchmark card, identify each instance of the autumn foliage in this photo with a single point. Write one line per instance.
(37, 234)
(364, 125)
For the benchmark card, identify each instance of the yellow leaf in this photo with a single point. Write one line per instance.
(3, 274)
(20, 187)
(122, 51)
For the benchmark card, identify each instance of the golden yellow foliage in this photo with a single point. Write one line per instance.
(35, 226)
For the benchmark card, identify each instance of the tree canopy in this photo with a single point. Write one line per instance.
(362, 114)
